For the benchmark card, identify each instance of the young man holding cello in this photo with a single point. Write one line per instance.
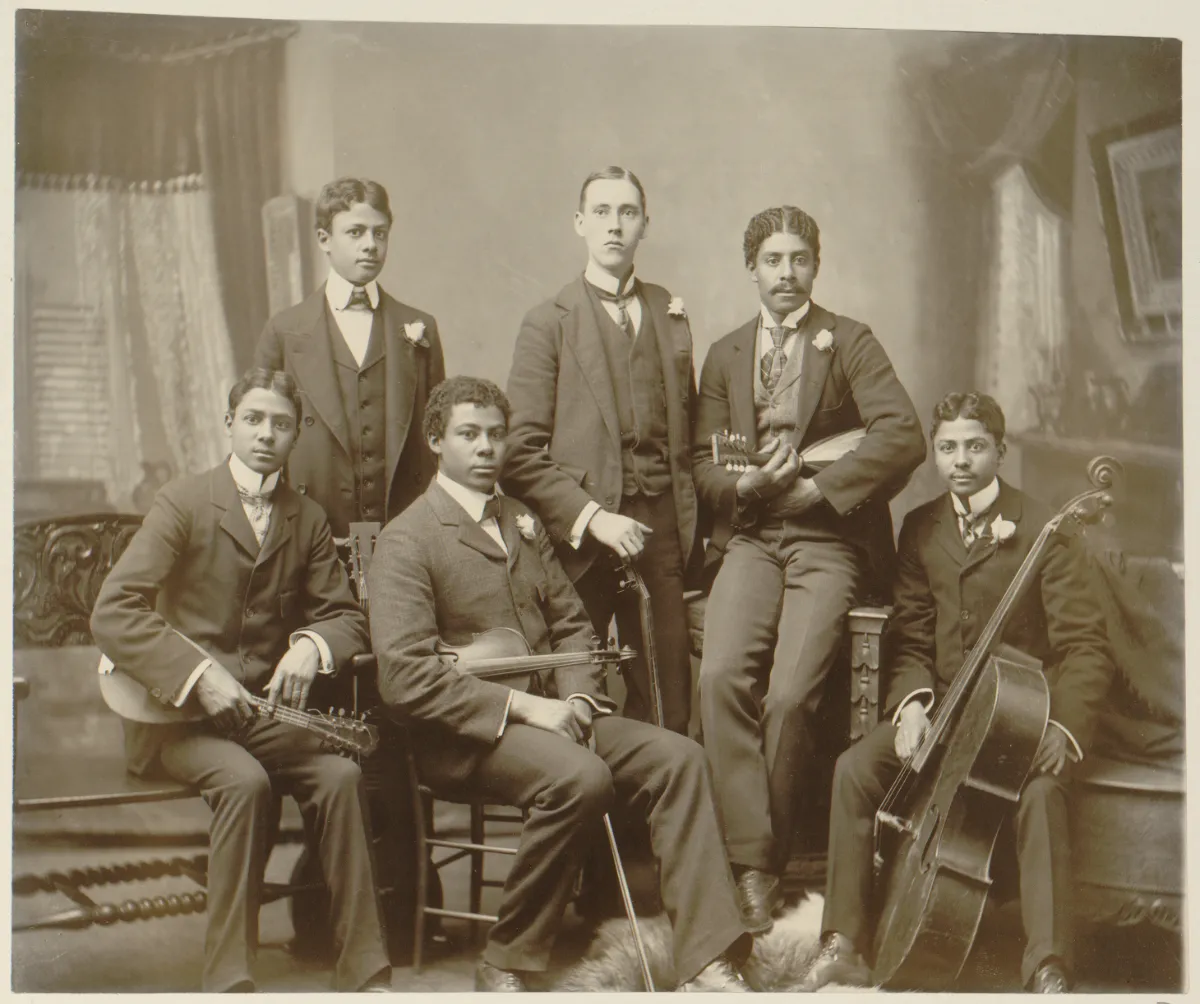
(464, 562)
(957, 556)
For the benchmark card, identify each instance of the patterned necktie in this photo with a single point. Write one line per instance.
(974, 527)
(491, 510)
(771, 366)
(622, 300)
(257, 506)
(359, 300)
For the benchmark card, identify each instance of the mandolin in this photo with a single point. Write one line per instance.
(937, 824)
(736, 453)
(502, 654)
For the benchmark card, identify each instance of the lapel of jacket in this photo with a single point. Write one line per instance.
(508, 530)
(402, 365)
(656, 300)
(815, 367)
(285, 507)
(470, 533)
(224, 495)
(744, 359)
(582, 335)
(312, 360)
(1008, 505)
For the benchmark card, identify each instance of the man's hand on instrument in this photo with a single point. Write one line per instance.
(913, 722)
(1052, 754)
(223, 698)
(764, 483)
(620, 533)
(294, 674)
(584, 713)
(798, 499)
(546, 714)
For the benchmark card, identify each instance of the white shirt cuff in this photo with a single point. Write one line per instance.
(327, 666)
(581, 523)
(504, 720)
(598, 708)
(1067, 732)
(185, 691)
(924, 695)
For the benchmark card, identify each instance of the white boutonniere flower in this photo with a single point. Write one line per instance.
(1002, 529)
(526, 526)
(675, 307)
(824, 340)
(415, 333)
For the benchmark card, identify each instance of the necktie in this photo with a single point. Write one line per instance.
(974, 527)
(359, 300)
(772, 363)
(622, 300)
(491, 510)
(258, 510)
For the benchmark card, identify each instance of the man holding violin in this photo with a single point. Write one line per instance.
(465, 561)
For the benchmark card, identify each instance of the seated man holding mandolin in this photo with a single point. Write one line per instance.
(1015, 681)
(232, 587)
(465, 566)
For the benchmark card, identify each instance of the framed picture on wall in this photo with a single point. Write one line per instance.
(1139, 179)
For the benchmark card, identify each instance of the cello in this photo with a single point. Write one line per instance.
(938, 823)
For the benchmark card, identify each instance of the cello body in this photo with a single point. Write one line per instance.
(937, 841)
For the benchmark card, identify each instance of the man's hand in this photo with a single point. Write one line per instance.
(913, 722)
(558, 717)
(620, 533)
(223, 698)
(294, 674)
(798, 499)
(584, 713)
(1052, 754)
(763, 483)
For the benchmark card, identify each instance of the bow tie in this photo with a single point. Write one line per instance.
(491, 510)
(359, 298)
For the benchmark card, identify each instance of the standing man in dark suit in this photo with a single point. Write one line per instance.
(794, 549)
(602, 388)
(958, 554)
(364, 363)
(461, 561)
(232, 585)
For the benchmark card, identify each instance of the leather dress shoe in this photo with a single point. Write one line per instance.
(490, 979)
(837, 962)
(1050, 978)
(718, 977)
(758, 899)
(380, 983)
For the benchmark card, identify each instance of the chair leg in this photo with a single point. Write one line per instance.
(422, 826)
(476, 866)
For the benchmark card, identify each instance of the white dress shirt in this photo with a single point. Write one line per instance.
(353, 322)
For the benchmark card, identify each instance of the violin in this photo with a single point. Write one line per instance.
(502, 654)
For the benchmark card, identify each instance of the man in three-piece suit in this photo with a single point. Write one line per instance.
(461, 561)
(602, 388)
(958, 554)
(794, 549)
(232, 586)
(364, 363)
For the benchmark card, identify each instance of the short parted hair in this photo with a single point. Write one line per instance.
(780, 220)
(612, 174)
(260, 377)
(982, 408)
(339, 196)
(461, 390)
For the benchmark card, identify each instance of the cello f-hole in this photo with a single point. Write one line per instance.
(932, 830)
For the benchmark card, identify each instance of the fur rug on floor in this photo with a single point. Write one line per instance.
(778, 963)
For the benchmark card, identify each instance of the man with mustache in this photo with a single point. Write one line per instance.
(794, 549)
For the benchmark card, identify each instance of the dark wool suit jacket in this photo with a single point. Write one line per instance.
(297, 340)
(436, 574)
(852, 385)
(194, 575)
(944, 596)
(566, 434)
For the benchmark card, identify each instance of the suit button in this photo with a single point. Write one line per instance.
(308, 420)
(366, 457)
(965, 615)
(156, 692)
(608, 500)
(367, 483)
(249, 611)
(302, 488)
(363, 403)
(366, 430)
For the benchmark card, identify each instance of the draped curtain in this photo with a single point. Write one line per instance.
(1004, 112)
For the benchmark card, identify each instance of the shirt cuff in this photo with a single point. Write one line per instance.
(924, 695)
(581, 523)
(185, 691)
(597, 707)
(1078, 753)
(327, 666)
(504, 720)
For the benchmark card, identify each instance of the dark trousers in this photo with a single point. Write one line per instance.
(237, 780)
(861, 779)
(635, 769)
(773, 625)
(661, 568)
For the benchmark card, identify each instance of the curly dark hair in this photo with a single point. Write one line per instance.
(780, 220)
(461, 390)
(266, 379)
(613, 173)
(983, 408)
(338, 196)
